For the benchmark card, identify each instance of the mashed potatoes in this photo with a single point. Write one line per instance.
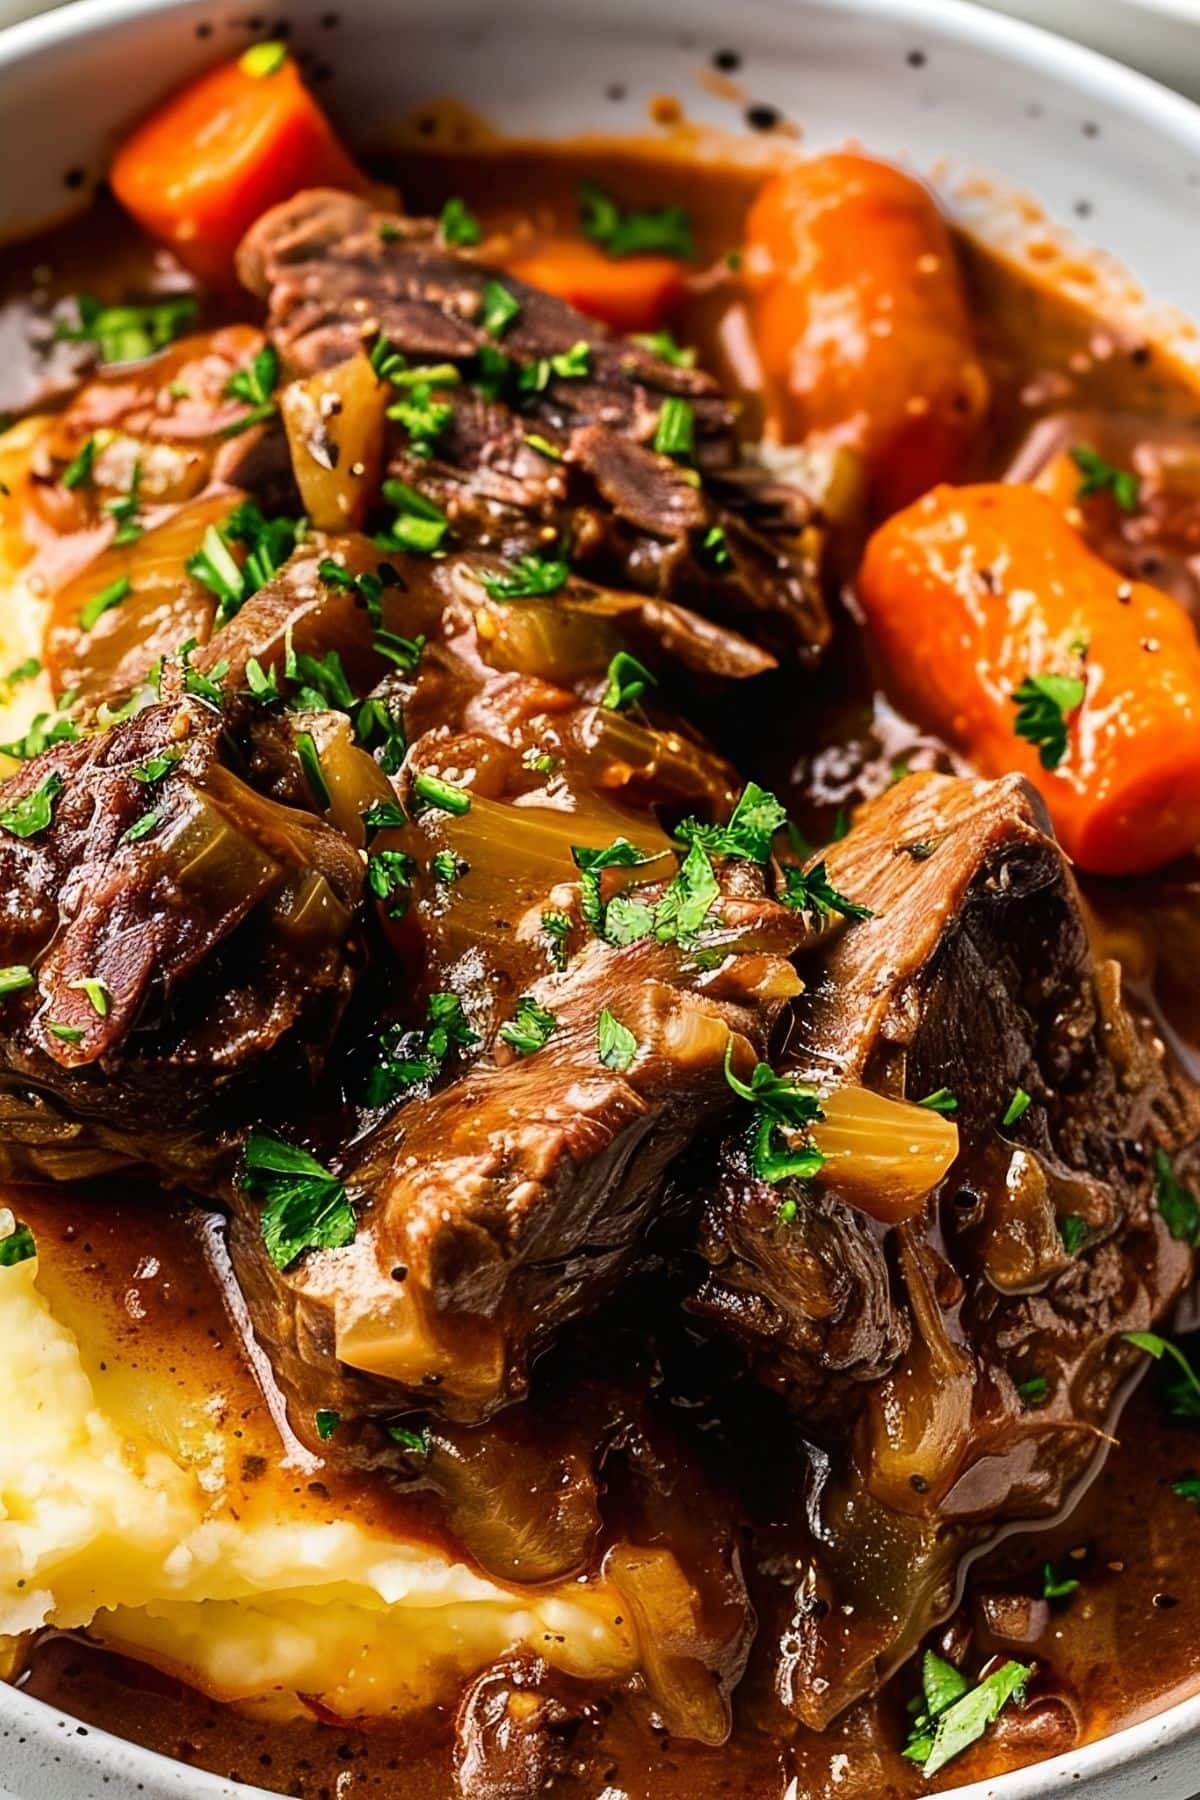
(130, 1504)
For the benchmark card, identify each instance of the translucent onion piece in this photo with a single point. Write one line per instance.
(353, 779)
(883, 1156)
(675, 1651)
(616, 750)
(163, 608)
(558, 639)
(921, 1415)
(335, 429)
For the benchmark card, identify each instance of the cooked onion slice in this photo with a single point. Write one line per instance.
(883, 1156)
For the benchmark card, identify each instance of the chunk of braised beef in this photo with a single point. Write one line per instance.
(187, 937)
(632, 516)
(959, 1370)
(514, 1198)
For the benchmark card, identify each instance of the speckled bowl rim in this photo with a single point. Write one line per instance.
(1163, 1749)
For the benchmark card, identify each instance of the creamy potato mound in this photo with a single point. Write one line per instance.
(102, 1527)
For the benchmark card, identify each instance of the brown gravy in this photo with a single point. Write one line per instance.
(1122, 1646)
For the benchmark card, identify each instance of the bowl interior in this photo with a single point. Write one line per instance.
(937, 83)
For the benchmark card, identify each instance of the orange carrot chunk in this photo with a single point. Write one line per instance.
(861, 321)
(633, 293)
(1003, 632)
(199, 171)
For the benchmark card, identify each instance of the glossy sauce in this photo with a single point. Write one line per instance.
(151, 1281)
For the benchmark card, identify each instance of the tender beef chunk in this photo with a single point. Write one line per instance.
(959, 1369)
(516, 1729)
(514, 1198)
(631, 515)
(186, 935)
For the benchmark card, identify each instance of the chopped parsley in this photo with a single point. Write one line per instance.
(1057, 1587)
(675, 432)
(574, 364)
(1034, 1392)
(543, 446)
(616, 1045)
(432, 791)
(17, 1246)
(202, 685)
(627, 681)
(527, 578)
(952, 1715)
(376, 725)
(530, 1028)
(19, 673)
(1187, 1487)
(716, 547)
(1073, 1231)
(15, 978)
(1100, 477)
(942, 1100)
(47, 729)
(423, 417)
(620, 854)
(409, 1058)
(1044, 703)
(419, 525)
(751, 826)
(417, 1443)
(68, 1034)
(385, 815)
(1017, 1107)
(156, 766)
(256, 386)
(809, 891)
(326, 1422)
(1184, 1394)
(306, 1207)
(268, 544)
(310, 762)
(26, 817)
(389, 877)
(780, 1103)
(96, 993)
(128, 333)
(142, 827)
(1178, 1205)
(666, 231)
(662, 344)
(500, 308)
(556, 928)
(446, 868)
(124, 511)
(93, 610)
(79, 469)
(458, 225)
(688, 901)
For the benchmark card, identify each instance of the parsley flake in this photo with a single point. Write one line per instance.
(1044, 703)
(1100, 477)
(627, 681)
(616, 1045)
(306, 1207)
(809, 891)
(458, 225)
(530, 1029)
(666, 231)
(26, 817)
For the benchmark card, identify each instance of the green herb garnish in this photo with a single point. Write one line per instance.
(112, 595)
(1044, 703)
(306, 1207)
(530, 1028)
(666, 230)
(627, 681)
(1100, 477)
(458, 225)
(809, 891)
(33, 812)
(616, 1045)
(128, 333)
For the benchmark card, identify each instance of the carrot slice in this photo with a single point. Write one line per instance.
(861, 321)
(245, 135)
(630, 293)
(975, 592)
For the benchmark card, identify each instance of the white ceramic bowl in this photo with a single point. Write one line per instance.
(936, 82)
